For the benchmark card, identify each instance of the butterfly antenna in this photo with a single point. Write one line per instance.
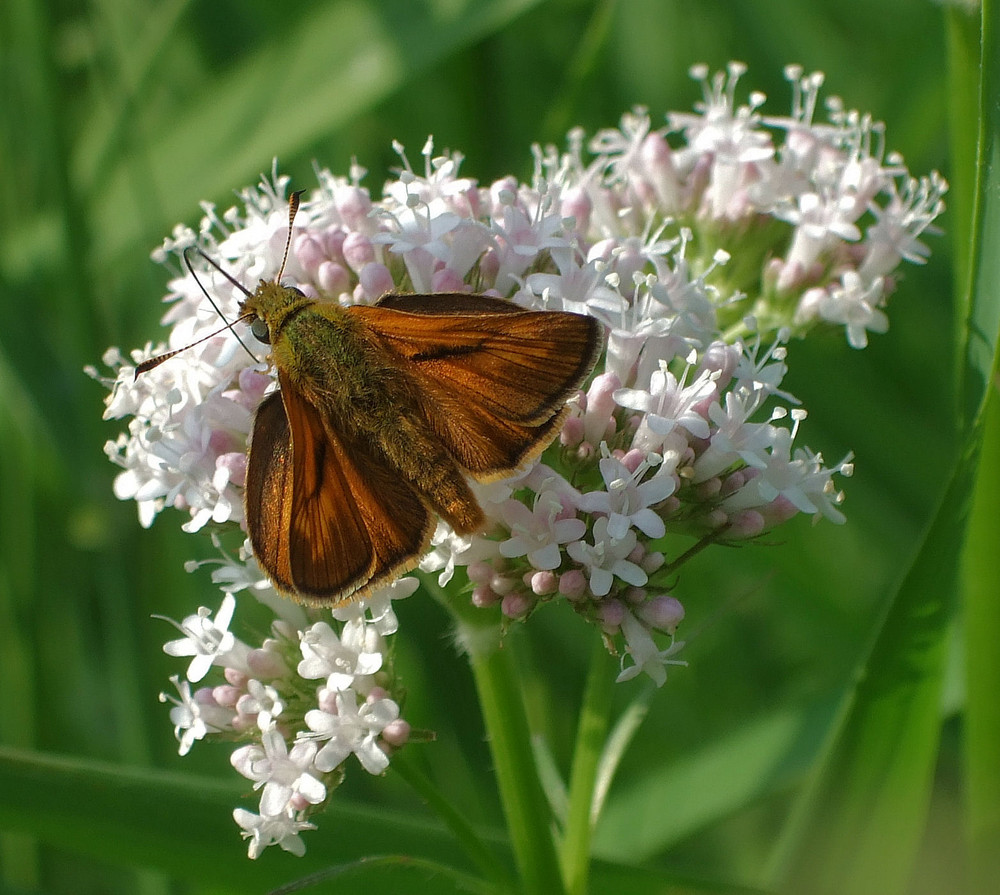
(293, 207)
(215, 264)
(152, 362)
(211, 301)
(146, 365)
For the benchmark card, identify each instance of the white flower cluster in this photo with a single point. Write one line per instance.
(270, 696)
(703, 247)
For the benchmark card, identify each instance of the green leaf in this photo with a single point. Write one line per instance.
(981, 560)
(860, 825)
(183, 824)
(672, 801)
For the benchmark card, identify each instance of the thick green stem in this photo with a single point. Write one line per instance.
(527, 811)
(590, 741)
(529, 818)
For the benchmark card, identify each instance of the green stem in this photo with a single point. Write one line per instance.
(693, 550)
(477, 850)
(590, 741)
(527, 812)
(529, 818)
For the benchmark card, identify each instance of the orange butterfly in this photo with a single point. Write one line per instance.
(381, 412)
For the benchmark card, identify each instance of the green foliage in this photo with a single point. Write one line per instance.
(815, 722)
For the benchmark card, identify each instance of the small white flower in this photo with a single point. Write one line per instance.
(734, 437)
(894, 234)
(283, 774)
(647, 657)
(855, 304)
(450, 550)
(341, 660)
(193, 717)
(376, 608)
(208, 640)
(667, 404)
(278, 829)
(352, 728)
(537, 533)
(792, 478)
(236, 573)
(628, 499)
(261, 700)
(606, 559)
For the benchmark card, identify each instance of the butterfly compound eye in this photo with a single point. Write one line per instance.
(260, 331)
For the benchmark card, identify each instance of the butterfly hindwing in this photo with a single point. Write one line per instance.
(344, 524)
(354, 523)
(268, 481)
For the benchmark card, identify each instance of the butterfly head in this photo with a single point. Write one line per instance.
(271, 304)
(269, 307)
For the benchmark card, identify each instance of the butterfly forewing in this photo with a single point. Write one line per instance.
(519, 365)
(492, 378)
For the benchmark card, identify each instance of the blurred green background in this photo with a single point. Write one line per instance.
(119, 116)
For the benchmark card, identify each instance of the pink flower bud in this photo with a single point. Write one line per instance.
(358, 251)
(516, 605)
(572, 432)
(632, 459)
(236, 678)
(333, 243)
(266, 665)
(483, 597)
(489, 264)
(501, 584)
(722, 358)
(708, 489)
(309, 252)
(205, 696)
(446, 280)
(226, 696)
(572, 584)
(396, 733)
(663, 613)
(326, 700)
(375, 280)
(745, 524)
(611, 613)
(716, 519)
(635, 595)
(236, 464)
(544, 583)
(779, 510)
(479, 572)
(354, 204)
(577, 204)
(333, 278)
(652, 562)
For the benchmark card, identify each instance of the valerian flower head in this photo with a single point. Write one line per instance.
(704, 246)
